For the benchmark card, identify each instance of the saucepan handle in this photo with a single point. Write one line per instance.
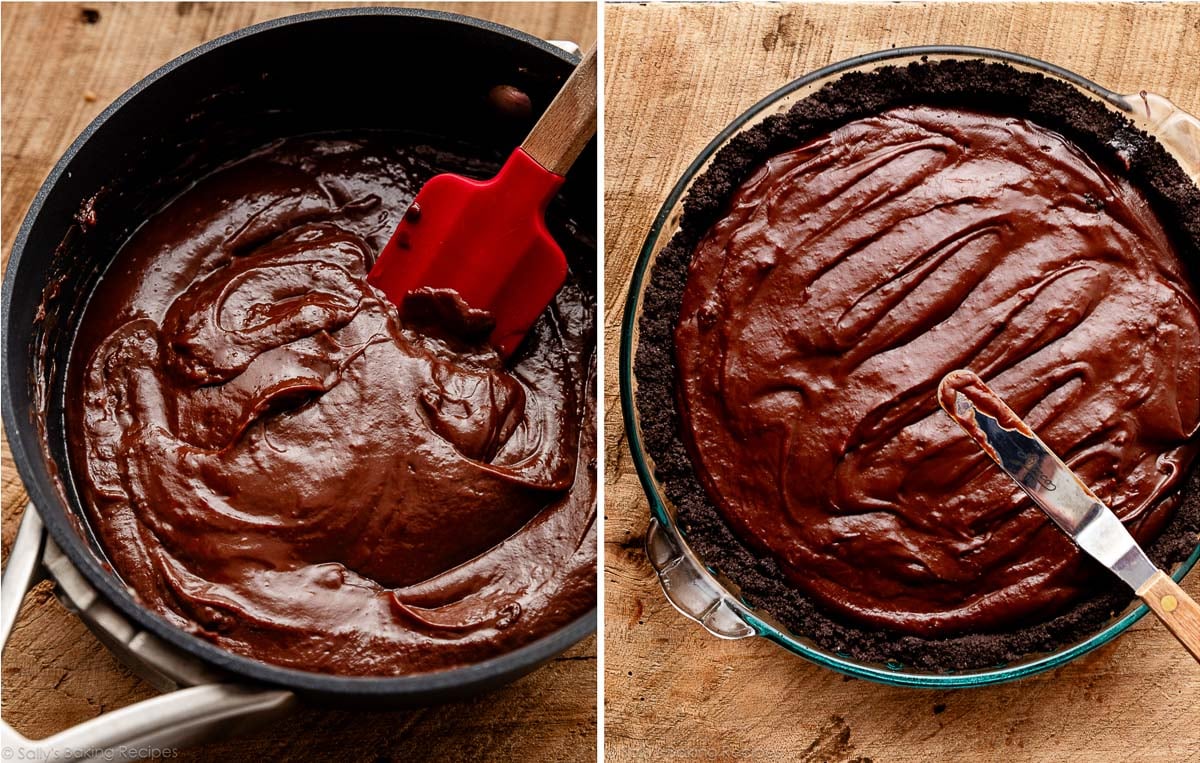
(567, 45)
(140, 730)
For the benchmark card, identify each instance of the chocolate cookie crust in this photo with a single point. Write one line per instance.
(1105, 135)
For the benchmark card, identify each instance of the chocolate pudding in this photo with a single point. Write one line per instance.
(833, 265)
(280, 462)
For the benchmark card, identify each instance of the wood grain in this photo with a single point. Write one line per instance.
(675, 76)
(62, 64)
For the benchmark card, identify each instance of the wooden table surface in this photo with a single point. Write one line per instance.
(62, 64)
(675, 76)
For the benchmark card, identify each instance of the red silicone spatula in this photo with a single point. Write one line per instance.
(487, 240)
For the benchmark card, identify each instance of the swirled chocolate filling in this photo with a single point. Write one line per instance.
(837, 280)
(848, 277)
(281, 462)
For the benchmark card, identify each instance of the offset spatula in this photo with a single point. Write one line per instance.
(487, 240)
(1073, 507)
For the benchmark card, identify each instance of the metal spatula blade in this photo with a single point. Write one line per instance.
(1021, 454)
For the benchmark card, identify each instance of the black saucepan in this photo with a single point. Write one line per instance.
(354, 68)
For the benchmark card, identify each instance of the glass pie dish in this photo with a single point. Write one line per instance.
(698, 590)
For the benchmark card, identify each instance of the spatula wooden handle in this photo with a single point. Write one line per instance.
(569, 122)
(1175, 608)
